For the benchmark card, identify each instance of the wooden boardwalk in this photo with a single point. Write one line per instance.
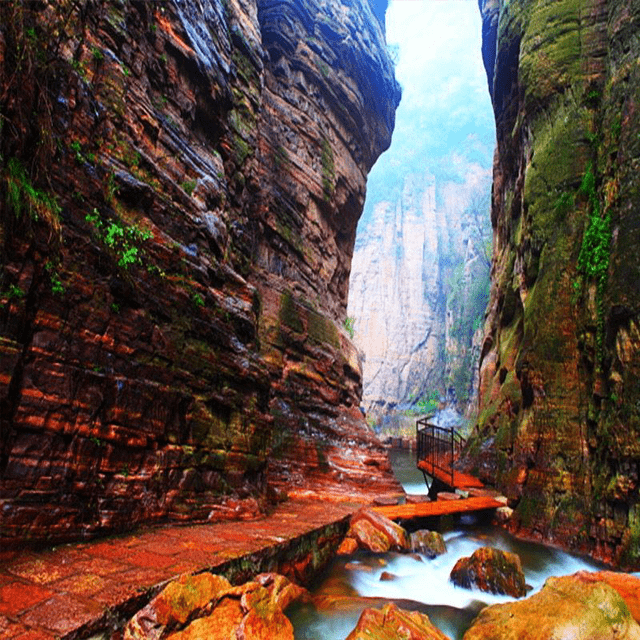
(450, 477)
(438, 508)
(438, 450)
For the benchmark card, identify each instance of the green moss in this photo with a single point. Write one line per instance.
(322, 330)
(328, 170)
(288, 313)
(555, 170)
(631, 541)
(244, 68)
(551, 49)
(281, 157)
(291, 235)
(23, 199)
(595, 251)
(242, 150)
(529, 510)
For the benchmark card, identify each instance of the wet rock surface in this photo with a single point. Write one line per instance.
(171, 337)
(627, 586)
(561, 351)
(373, 532)
(491, 570)
(391, 622)
(430, 543)
(565, 607)
(208, 606)
(80, 590)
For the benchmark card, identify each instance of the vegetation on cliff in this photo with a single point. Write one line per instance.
(175, 178)
(558, 428)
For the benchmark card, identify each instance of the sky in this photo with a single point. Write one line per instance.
(445, 108)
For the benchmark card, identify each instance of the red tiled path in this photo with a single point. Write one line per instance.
(56, 593)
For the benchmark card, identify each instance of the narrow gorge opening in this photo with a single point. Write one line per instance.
(420, 272)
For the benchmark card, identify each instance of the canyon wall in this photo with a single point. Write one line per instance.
(559, 420)
(418, 291)
(180, 188)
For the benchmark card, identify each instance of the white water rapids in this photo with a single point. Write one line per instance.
(423, 584)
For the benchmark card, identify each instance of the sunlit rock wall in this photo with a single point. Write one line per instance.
(181, 183)
(559, 394)
(414, 270)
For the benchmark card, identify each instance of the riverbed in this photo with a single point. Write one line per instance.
(415, 582)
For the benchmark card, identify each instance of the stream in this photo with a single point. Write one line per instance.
(417, 583)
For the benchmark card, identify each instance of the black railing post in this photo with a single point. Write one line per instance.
(452, 457)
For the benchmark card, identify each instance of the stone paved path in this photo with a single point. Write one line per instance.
(62, 592)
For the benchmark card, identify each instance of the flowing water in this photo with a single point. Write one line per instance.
(417, 583)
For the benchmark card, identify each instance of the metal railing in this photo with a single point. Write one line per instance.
(438, 447)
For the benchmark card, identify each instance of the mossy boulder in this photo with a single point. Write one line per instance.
(566, 607)
(430, 543)
(208, 606)
(491, 570)
(390, 623)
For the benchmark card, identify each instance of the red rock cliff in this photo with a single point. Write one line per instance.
(559, 420)
(181, 183)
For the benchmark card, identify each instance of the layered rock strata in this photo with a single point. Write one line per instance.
(559, 420)
(181, 184)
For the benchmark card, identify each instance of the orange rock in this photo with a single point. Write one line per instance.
(566, 607)
(431, 543)
(369, 538)
(347, 547)
(491, 570)
(259, 624)
(175, 604)
(220, 625)
(282, 591)
(376, 533)
(180, 598)
(391, 623)
(627, 586)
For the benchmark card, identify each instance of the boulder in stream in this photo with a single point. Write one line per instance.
(429, 543)
(567, 607)
(627, 586)
(492, 570)
(373, 532)
(391, 623)
(208, 606)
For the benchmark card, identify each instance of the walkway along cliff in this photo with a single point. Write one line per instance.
(180, 186)
(559, 422)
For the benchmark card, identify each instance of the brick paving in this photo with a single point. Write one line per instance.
(67, 591)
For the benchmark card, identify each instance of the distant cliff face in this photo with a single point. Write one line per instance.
(559, 424)
(419, 281)
(418, 291)
(181, 184)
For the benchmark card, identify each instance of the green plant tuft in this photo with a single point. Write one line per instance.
(189, 186)
(197, 299)
(349, 326)
(593, 260)
(124, 241)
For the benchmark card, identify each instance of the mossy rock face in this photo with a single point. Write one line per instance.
(289, 315)
(322, 330)
(565, 299)
(430, 543)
